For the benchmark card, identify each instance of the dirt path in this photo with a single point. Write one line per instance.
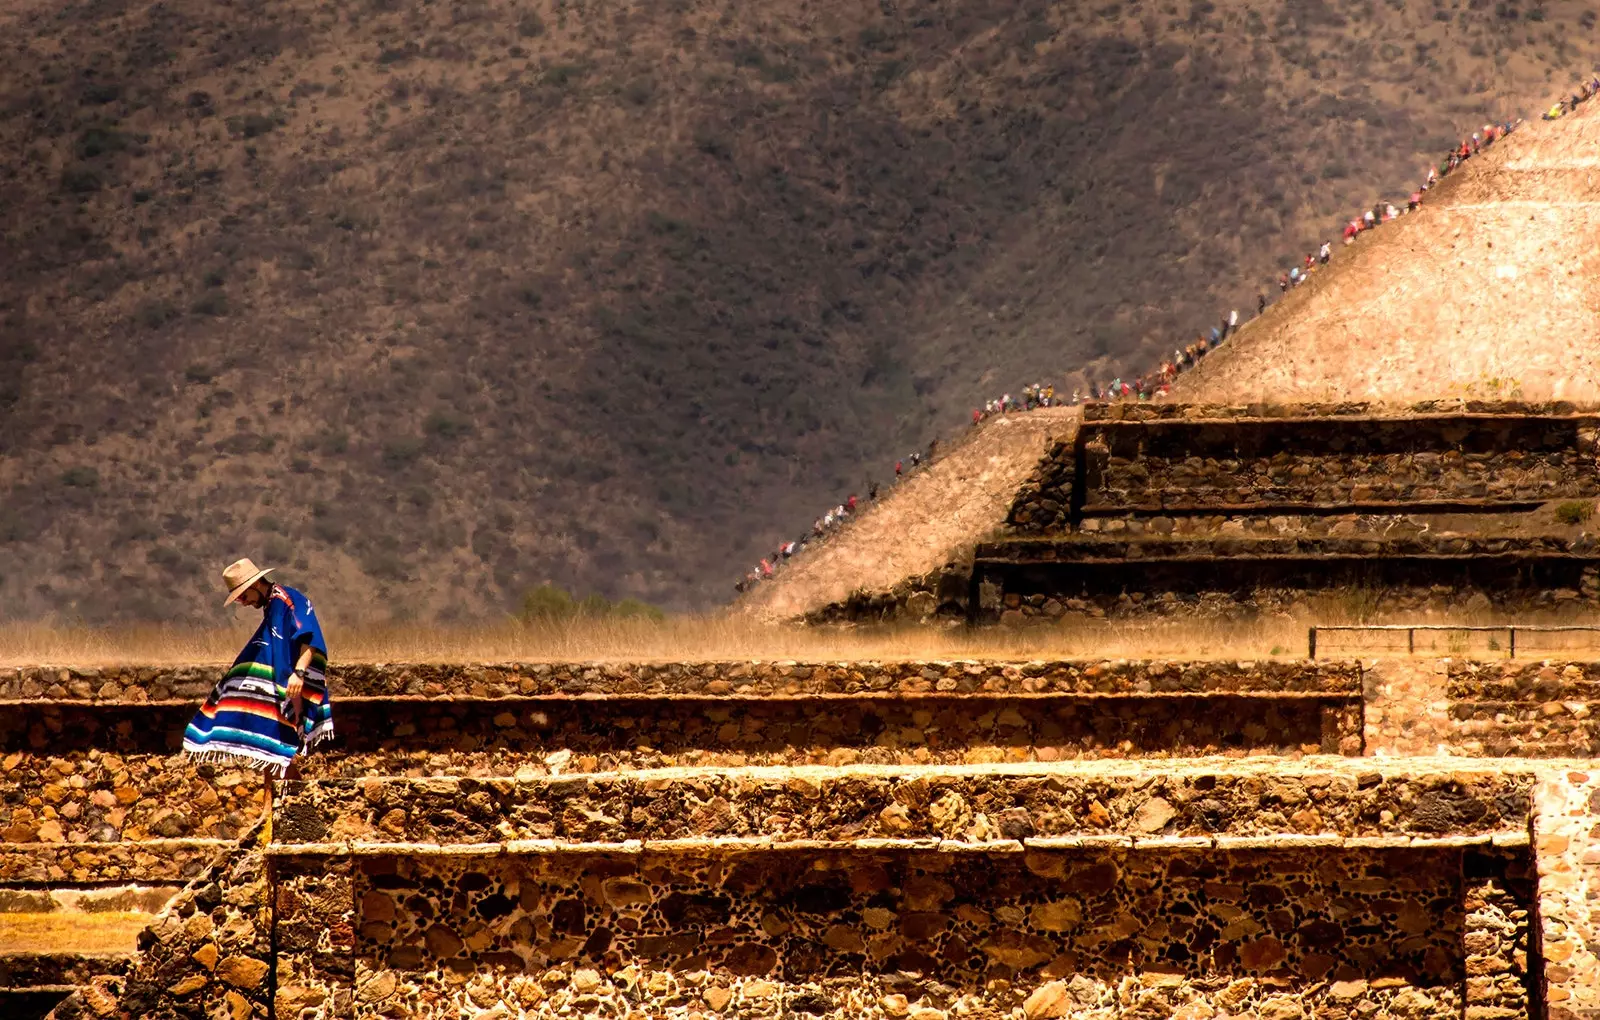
(930, 519)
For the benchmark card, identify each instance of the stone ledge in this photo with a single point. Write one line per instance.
(1093, 549)
(736, 845)
(968, 806)
(1122, 411)
(776, 679)
(151, 861)
(66, 970)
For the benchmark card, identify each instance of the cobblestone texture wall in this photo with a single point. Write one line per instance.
(1405, 708)
(315, 905)
(189, 684)
(208, 954)
(1233, 577)
(1524, 708)
(1498, 896)
(1222, 574)
(1311, 457)
(927, 936)
(967, 806)
(74, 776)
(1566, 804)
(497, 738)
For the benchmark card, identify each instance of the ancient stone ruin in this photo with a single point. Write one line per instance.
(1230, 511)
(926, 840)
(933, 840)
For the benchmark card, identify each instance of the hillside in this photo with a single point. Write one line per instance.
(1491, 289)
(431, 303)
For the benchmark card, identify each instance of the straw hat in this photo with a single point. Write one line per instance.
(238, 576)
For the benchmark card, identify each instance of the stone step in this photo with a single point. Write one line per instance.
(59, 937)
(986, 807)
(152, 862)
(187, 685)
(45, 955)
(829, 933)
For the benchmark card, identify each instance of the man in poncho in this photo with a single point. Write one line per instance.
(273, 702)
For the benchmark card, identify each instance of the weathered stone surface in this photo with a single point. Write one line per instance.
(184, 687)
(242, 971)
(947, 803)
(1310, 456)
(704, 932)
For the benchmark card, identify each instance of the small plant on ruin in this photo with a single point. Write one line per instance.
(1574, 511)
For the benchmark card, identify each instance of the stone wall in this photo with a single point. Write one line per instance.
(73, 775)
(541, 734)
(952, 805)
(208, 954)
(1568, 859)
(927, 936)
(1187, 460)
(731, 679)
(1238, 577)
(1524, 708)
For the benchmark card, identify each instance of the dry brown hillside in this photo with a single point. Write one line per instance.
(1491, 289)
(431, 302)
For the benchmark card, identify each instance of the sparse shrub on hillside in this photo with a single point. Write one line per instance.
(385, 566)
(251, 125)
(712, 144)
(99, 140)
(276, 548)
(562, 75)
(401, 452)
(531, 26)
(11, 528)
(155, 313)
(640, 91)
(550, 602)
(81, 478)
(81, 179)
(213, 303)
(446, 425)
(547, 602)
(172, 561)
(1575, 511)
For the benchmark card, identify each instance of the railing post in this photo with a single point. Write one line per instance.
(1411, 640)
(1513, 642)
(1311, 640)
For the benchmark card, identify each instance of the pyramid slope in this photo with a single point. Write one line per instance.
(930, 519)
(1491, 289)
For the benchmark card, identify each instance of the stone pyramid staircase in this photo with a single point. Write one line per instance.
(927, 840)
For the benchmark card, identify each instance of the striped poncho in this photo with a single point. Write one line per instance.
(247, 719)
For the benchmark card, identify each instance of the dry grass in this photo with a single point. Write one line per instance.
(689, 639)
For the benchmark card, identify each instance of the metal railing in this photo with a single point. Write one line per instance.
(1511, 630)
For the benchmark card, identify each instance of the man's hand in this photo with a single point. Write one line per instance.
(294, 708)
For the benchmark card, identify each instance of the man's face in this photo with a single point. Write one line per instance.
(255, 595)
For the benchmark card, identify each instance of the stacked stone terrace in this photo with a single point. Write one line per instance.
(1224, 510)
(928, 839)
